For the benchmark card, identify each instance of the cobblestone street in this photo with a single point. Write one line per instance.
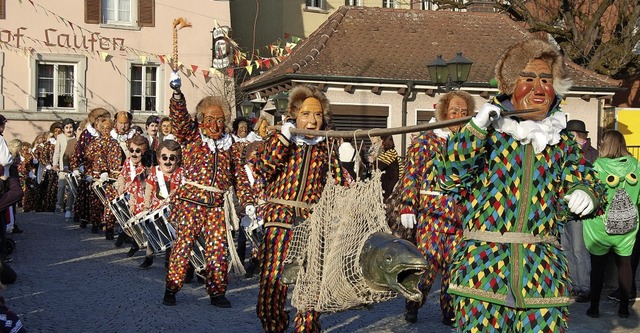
(70, 280)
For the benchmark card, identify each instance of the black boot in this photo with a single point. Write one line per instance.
(132, 251)
(189, 276)
(220, 301)
(108, 235)
(120, 239)
(146, 264)
(411, 312)
(169, 298)
(95, 229)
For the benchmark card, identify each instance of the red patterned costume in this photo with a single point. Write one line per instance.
(156, 198)
(105, 159)
(87, 205)
(209, 171)
(133, 179)
(296, 176)
(27, 171)
(438, 228)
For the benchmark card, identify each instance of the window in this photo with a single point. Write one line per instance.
(427, 5)
(123, 13)
(144, 88)
(55, 85)
(58, 82)
(117, 12)
(353, 2)
(315, 3)
(388, 3)
(2, 9)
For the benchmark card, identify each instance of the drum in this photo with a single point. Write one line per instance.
(134, 228)
(74, 183)
(100, 190)
(120, 208)
(197, 258)
(160, 233)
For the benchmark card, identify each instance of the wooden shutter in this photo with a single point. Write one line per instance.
(92, 11)
(2, 5)
(147, 13)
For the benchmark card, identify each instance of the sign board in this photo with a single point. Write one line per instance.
(222, 50)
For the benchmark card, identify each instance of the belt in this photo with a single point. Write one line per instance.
(278, 224)
(205, 187)
(434, 193)
(296, 204)
(510, 237)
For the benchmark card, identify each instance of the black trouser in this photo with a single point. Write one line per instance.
(635, 259)
(3, 233)
(598, 263)
(242, 244)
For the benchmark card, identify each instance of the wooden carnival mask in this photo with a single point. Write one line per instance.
(534, 89)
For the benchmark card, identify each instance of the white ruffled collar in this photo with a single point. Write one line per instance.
(94, 132)
(251, 137)
(303, 140)
(537, 133)
(224, 143)
(440, 132)
(122, 137)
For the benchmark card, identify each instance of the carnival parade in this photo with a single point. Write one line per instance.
(322, 186)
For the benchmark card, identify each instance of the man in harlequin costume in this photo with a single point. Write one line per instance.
(122, 130)
(435, 216)
(515, 178)
(198, 210)
(87, 207)
(296, 168)
(105, 164)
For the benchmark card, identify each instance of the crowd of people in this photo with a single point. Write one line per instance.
(490, 203)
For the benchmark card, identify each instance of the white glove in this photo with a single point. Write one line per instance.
(48, 167)
(579, 202)
(76, 173)
(88, 178)
(250, 210)
(408, 220)
(81, 169)
(32, 175)
(104, 176)
(35, 161)
(487, 114)
(174, 81)
(286, 129)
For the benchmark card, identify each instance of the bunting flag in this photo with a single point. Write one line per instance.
(143, 59)
(230, 72)
(161, 57)
(249, 69)
(105, 56)
(194, 68)
(205, 72)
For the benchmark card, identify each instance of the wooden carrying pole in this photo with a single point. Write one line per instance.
(361, 133)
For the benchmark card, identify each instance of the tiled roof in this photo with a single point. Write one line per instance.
(382, 45)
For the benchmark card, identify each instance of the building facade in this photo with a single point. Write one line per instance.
(60, 59)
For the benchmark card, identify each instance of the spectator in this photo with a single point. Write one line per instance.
(390, 164)
(619, 171)
(62, 166)
(578, 257)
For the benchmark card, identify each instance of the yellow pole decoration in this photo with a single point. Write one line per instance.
(178, 24)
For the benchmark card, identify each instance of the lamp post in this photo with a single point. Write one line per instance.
(450, 74)
(281, 101)
(247, 108)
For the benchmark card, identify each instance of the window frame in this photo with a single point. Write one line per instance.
(133, 13)
(353, 2)
(160, 86)
(310, 4)
(79, 83)
(389, 4)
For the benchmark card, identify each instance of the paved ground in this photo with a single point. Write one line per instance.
(70, 280)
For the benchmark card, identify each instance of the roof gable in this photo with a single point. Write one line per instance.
(391, 45)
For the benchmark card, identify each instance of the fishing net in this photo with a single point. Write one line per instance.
(327, 248)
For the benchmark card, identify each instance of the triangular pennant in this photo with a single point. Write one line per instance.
(249, 69)
(179, 64)
(287, 35)
(230, 72)
(161, 57)
(205, 72)
(104, 56)
(143, 59)
(194, 68)
(267, 63)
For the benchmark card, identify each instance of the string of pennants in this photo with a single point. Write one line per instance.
(240, 60)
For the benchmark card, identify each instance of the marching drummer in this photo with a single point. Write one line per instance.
(106, 161)
(161, 182)
(131, 180)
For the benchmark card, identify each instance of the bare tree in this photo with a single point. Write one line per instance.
(597, 34)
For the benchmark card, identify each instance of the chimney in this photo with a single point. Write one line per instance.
(481, 6)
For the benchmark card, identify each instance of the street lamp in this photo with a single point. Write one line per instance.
(281, 101)
(247, 108)
(450, 74)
